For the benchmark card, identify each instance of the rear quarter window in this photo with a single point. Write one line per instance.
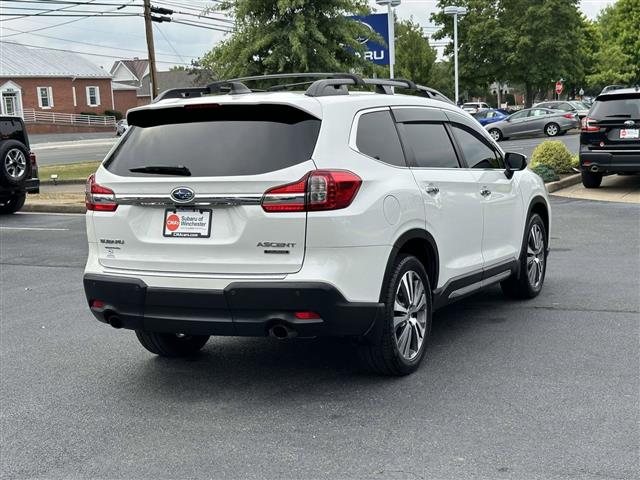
(217, 140)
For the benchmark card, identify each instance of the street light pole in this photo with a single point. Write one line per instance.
(392, 33)
(455, 11)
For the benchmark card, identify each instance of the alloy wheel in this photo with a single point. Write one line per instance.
(552, 130)
(410, 315)
(495, 134)
(15, 163)
(535, 256)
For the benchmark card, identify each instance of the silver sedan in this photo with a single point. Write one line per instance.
(533, 121)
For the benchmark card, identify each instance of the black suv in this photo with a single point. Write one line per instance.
(610, 137)
(18, 167)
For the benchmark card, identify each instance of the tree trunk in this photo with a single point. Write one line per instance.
(529, 92)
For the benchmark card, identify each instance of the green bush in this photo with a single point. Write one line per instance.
(114, 113)
(575, 161)
(554, 154)
(546, 173)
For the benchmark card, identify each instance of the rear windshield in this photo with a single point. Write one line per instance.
(627, 106)
(216, 140)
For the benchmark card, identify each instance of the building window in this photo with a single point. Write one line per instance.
(45, 97)
(93, 96)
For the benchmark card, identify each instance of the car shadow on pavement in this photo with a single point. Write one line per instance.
(265, 367)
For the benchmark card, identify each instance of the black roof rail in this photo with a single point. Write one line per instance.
(235, 86)
(329, 84)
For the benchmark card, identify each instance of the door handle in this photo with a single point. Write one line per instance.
(485, 192)
(431, 189)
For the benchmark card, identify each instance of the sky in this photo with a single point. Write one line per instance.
(108, 38)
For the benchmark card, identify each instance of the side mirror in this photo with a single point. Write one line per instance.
(514, 162)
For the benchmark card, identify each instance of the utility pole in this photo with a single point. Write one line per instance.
(148, 26)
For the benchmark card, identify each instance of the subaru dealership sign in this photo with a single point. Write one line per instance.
(373, 51)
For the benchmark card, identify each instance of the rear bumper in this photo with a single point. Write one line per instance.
(609, 162)
(32, 185)
(241, 309)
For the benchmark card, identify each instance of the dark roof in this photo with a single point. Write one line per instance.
(137, 66)
(167, 81)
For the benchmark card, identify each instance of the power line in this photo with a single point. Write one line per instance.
(82, 53)
(85, 43)
(168, 42)
(22, 16)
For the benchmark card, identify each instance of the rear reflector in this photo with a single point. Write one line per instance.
(317, 191)
(32, 158)
(99, 198)
(97, 304)
(306, 315)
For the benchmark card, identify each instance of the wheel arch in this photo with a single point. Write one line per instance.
(539, 205)
(422, 245)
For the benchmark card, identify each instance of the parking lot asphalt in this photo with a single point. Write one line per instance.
(543, 389)
(526, 146)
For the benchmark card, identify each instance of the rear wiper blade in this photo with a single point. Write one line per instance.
(163, 170)
(625, 115)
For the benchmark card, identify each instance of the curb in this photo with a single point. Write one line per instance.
(54, 208)
(564, 183)
(49, 183)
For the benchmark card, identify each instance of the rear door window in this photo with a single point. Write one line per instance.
(430, 145)
(377, 137)
(216, 140)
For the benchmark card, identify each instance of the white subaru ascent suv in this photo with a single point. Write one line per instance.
(334, 211)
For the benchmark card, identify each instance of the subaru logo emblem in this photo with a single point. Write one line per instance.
(182, 194)
(629, 123)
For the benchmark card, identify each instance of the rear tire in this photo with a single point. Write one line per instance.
(401, 338)
(552, 129)
(591, 179)
(171, 344)
(533, 263)
(13, 203)
(495, 134)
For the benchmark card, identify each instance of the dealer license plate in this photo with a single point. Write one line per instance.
(629, 133)
(189, 223)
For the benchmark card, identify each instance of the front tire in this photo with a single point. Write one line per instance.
(552, 130)
(533, 263)
(171, 344)
(13, 203)
(402, 336)
(591, 179)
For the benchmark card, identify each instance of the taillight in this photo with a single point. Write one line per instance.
(317, 190)
(99, 198)
(32, 158)
(569, 115)
(587, 126)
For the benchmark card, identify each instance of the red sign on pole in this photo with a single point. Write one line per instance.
(558, 88)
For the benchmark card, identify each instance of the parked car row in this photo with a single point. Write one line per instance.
(530, 121)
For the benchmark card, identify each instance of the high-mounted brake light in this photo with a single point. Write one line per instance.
(316, 191)
(587, 126)
(99, 198)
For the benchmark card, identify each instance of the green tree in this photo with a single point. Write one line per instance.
(532, 42)
(620, 25)
(275, 36)
(442, 78)
(613, 67)
(414, 57)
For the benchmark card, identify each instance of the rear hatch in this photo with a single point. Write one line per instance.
(613, 123)
(189, 180)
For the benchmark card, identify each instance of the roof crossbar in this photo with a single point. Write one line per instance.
(236, 86)
(328, 84)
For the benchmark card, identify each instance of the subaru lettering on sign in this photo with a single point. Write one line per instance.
(182, 194)
(373, 51)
